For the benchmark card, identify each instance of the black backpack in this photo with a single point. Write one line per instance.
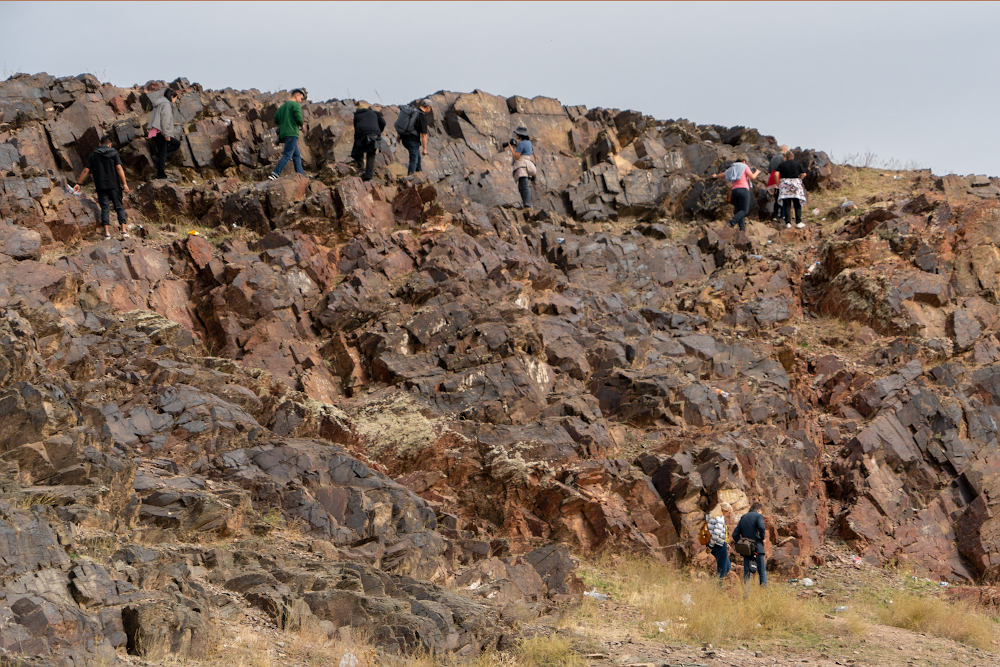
(407, 120)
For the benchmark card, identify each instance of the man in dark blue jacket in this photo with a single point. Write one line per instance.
(751, 525)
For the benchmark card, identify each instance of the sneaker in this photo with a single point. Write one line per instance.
(125, 235)
(107, 237)
(272, 177)
(800, 225)
(788, 226)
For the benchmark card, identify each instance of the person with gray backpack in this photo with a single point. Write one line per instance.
(740, 176)
(411, 131)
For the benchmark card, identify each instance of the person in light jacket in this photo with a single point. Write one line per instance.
(162, 132)
(524, 164)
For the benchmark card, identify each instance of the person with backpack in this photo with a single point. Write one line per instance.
(773, 179)
(716, 526)
(411, 131)
(368, 126)
(162, 131)
(739, 175)
(109, 180)
(288, 118)
(749, 538)
(524, 163)
(791, 191)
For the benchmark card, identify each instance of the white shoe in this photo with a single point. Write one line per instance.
(800, 225)
(788, 226)
(272, 177)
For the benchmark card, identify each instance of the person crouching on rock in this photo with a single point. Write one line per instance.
(162, 131)
(368, 126)
(740, 175)
(524, 163)
(109, 179)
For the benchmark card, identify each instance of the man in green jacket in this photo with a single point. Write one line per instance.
(289, 120)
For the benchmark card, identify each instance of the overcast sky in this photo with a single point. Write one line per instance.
(912, 82)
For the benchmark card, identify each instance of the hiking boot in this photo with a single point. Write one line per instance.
(272, 177)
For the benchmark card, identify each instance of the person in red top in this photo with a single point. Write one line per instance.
(740, 193)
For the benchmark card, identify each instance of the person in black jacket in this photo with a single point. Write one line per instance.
(109, 180)
(368, 126)
(751, 525)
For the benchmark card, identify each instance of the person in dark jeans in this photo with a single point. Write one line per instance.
(717, 545)
(109, 180)
(523, 153)
(740, 192)
(162, 132)
(289, 120)
(751, 525)
(368, 126)
(791, 192)
(417, 140)
(773, 179)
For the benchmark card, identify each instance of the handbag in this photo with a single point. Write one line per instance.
(746, 547)
(704, 537)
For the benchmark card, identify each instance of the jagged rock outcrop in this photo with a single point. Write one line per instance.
(440, 395)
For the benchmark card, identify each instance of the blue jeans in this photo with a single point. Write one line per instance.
(721, 553)
(761, 568)
(741, 204)
(291, 153)
(413, 146)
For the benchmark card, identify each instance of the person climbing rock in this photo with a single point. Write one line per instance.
(524, 164)
(162, 131)
(368, 126)
(773, 179)
(417, 138)
(791, 191)
(740, 175)
(289, 120)
(109, 180)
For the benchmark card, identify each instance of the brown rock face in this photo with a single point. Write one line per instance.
(432, 390)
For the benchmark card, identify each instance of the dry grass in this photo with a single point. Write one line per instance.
(952, 620)
(679, 606)
(549, 651)
(686, 607)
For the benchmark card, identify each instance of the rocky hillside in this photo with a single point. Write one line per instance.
(442, 395)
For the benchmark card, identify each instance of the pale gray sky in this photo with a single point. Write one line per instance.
(911, 82)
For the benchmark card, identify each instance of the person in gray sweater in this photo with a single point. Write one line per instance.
(162, 132)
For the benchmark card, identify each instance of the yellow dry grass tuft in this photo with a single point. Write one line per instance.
(549, 651)
(933, 616)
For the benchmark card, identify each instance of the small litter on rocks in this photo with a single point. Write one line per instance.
(594, 594)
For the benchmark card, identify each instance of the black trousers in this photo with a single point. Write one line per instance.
(741, 202)
(363, 152)
(165, 149)
(787, 204)
(105, 198)
(524, 187)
